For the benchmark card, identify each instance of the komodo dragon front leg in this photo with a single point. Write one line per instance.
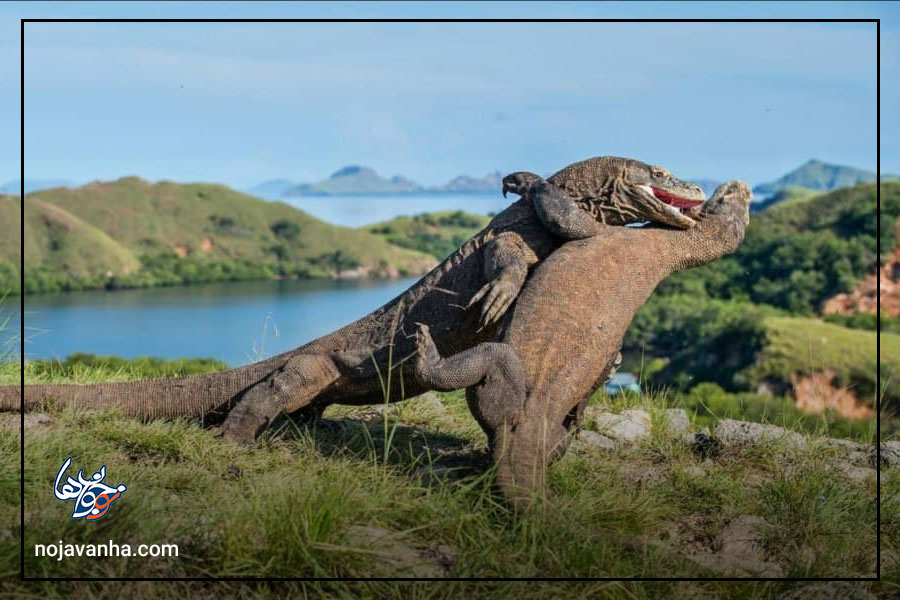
(508, 258)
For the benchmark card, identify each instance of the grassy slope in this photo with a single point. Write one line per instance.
(804, 346)
(59, 240)
(438, 233)
(104, 227)
(10, 243)
(285, 508)
(846, 212)
(787, 196)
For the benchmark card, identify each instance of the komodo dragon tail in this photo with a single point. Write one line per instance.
(205, 397)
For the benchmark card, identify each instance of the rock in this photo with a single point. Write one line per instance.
(677, 421)
(740, 550)
(32, 420)
(744, 433)
(630, 426)
(857, 454)
(640, 475)
(853, 472)
(36, 420)
(890, 453)
(591, 439)
(394, 556)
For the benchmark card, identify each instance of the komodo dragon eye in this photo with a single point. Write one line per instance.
(658, 173)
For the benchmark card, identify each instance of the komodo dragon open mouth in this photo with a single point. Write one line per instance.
(671, 200)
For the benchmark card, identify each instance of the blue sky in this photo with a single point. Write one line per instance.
(240, 103)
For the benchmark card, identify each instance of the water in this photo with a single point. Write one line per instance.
(356, 211)
(234, 322)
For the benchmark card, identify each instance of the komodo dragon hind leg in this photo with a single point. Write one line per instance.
(288, 389)
(492, 370)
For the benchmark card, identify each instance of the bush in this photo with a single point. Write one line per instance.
(712, 340)
(287, 230)
(866, 321)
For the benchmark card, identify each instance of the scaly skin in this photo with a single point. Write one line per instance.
(564, 332)
(347, 366)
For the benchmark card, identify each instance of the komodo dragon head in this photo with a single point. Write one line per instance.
(619, 191)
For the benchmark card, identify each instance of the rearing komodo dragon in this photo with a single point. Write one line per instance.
(346, 366)
(528, 390)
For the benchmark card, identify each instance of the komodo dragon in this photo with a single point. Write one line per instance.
(347, 366)
(529, 389)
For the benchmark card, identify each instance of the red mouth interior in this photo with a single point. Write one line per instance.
(673, 200)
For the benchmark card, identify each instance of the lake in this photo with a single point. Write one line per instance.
(235, 322)
(356, 211)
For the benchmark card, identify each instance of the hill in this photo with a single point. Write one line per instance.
(748, 319)
(131, 233)
(797, 255)
(438, 233)
(747, 348)
(10, 243)
(32, 185)
(355, 179)
(817, 175)
(786, 195)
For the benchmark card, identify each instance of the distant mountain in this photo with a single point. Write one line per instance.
(32, 185)
(466, 184)
(354, 180)
(273, 188)
(360, 180)
(820, 176)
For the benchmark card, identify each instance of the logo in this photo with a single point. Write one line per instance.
(92, 497)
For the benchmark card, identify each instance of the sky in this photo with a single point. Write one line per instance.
(240, 103)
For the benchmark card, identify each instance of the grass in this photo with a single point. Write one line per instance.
(289, 507)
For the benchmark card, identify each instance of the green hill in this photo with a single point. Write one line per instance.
(130, 233)
(739, 345)
(796, 255)
(788, 195)
(746, 318)
(10, 242)
(438, 233)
